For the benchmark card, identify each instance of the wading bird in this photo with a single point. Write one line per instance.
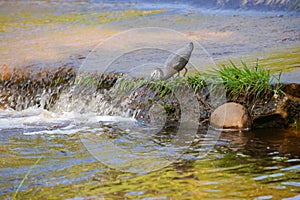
(174, 63)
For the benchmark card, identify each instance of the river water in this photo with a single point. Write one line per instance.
(95, 150)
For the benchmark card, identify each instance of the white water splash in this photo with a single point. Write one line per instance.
(40, 121)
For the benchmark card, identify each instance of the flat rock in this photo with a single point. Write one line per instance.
(231, 116)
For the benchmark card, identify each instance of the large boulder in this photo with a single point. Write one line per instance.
(231, 116)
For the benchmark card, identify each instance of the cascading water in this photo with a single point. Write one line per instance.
(54, 100)
(98, 94)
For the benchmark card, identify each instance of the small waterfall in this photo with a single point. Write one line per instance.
(94, 94)
(60, 90)
(99, 103)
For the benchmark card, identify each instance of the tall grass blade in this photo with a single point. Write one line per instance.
(25, 177)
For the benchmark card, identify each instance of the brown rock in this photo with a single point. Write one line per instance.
(274, 113)
(292, 89)
(231, 116)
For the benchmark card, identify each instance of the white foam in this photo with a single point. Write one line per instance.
(53, 123)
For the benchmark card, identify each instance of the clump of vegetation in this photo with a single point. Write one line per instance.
(162, 87)
(124, 84)
(197, 81)
(247, 82)
(167, 86)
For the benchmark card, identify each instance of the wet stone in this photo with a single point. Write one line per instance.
(231, 116)
(273, 113)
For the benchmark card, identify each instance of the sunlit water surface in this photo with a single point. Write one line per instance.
(257, 164)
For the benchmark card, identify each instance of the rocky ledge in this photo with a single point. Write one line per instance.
(147, 101)
(280, 112)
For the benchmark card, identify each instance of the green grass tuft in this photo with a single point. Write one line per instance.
(248, 82)
(197, 81)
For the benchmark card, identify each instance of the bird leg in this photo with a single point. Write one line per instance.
(186, 70)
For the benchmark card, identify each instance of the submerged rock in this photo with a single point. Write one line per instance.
(231, 116)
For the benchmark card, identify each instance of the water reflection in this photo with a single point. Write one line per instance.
(266, 161)
(266, 142)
